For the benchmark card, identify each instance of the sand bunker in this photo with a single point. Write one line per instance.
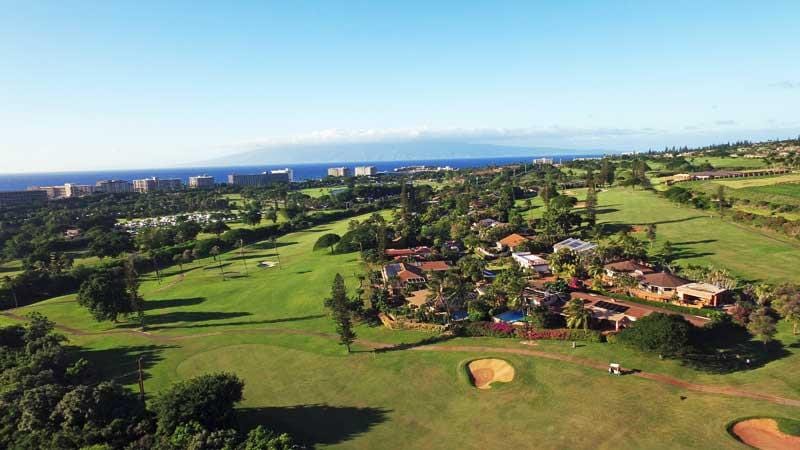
(765, 435)
(486, 371)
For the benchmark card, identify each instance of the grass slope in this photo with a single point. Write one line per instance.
(701, 237)
(303, 383)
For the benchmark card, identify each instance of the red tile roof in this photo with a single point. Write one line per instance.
(400, 252)
(628, 266)
(433, 266)
(664, 279)
(512, 240)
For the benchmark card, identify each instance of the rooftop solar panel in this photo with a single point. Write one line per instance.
(612, 306)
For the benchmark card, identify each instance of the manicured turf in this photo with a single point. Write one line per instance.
(738, 183)
(303, 383)
(730, 163)
(701, 237)
(319, 192)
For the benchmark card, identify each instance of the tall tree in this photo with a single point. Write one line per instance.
(651, 233)
(339, 304)
(215, 253)
(787, 302)
(591, 205)
(762, 325)
(577, 315)
(105, 295)
(132, 288)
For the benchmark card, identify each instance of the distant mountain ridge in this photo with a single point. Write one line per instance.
(385, 151)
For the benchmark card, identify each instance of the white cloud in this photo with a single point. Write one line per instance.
(786, 84)
(471, 135)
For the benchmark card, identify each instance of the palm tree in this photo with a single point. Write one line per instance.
(445, 287)
(7, 282)
(577, 315)
(215, 253)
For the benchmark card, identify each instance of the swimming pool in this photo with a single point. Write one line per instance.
(510, 316)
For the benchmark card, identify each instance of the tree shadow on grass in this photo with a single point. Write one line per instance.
(179, 271)
(409, 345)
(313, 425)
(150, 305)
(120, 364)
(158, 321)
(216, 266)
(247, 322)
(731, 349)
(685, 219)
(266, 245)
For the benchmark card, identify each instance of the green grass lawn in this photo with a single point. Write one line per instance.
(763, 194)
(781, 184)
(261, 325)
(318, 192)
(701, 237)
(730, 163)
(11, 268)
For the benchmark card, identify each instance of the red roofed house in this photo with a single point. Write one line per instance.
(412, 273)
(660, 285)
(398, 253)
(628, 267)
(511, 242)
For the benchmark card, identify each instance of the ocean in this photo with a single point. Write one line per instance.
(16, 182)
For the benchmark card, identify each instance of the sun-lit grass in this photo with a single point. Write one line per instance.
(729, 163)
(738, 183)
(702, 237)
(263, 324)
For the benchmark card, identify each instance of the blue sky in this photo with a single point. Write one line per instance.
(87, 85)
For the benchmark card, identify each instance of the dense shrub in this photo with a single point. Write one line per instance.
(665, 334)
(561, 334)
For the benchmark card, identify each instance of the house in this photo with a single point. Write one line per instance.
(413, 274)
(529, 261)
(628, 267)
(72, 233)
(487, 223)
(613, 314)
(660, 285)
(702, 294)
(399, 253)
(574, 244)
(511, 242)
(542, 297)
(405, 274)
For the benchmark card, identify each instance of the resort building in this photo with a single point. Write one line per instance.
(285, 175)
(157, 184)
(113, 186)
(543, 161)
(262, 179)
(22, 198)
(365, 171)
(52, 192)
(201, 182)
(338, 171)
(77, 190)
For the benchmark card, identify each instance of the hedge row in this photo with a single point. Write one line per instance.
(504, 330)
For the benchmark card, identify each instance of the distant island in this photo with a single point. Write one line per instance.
(384, 151)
